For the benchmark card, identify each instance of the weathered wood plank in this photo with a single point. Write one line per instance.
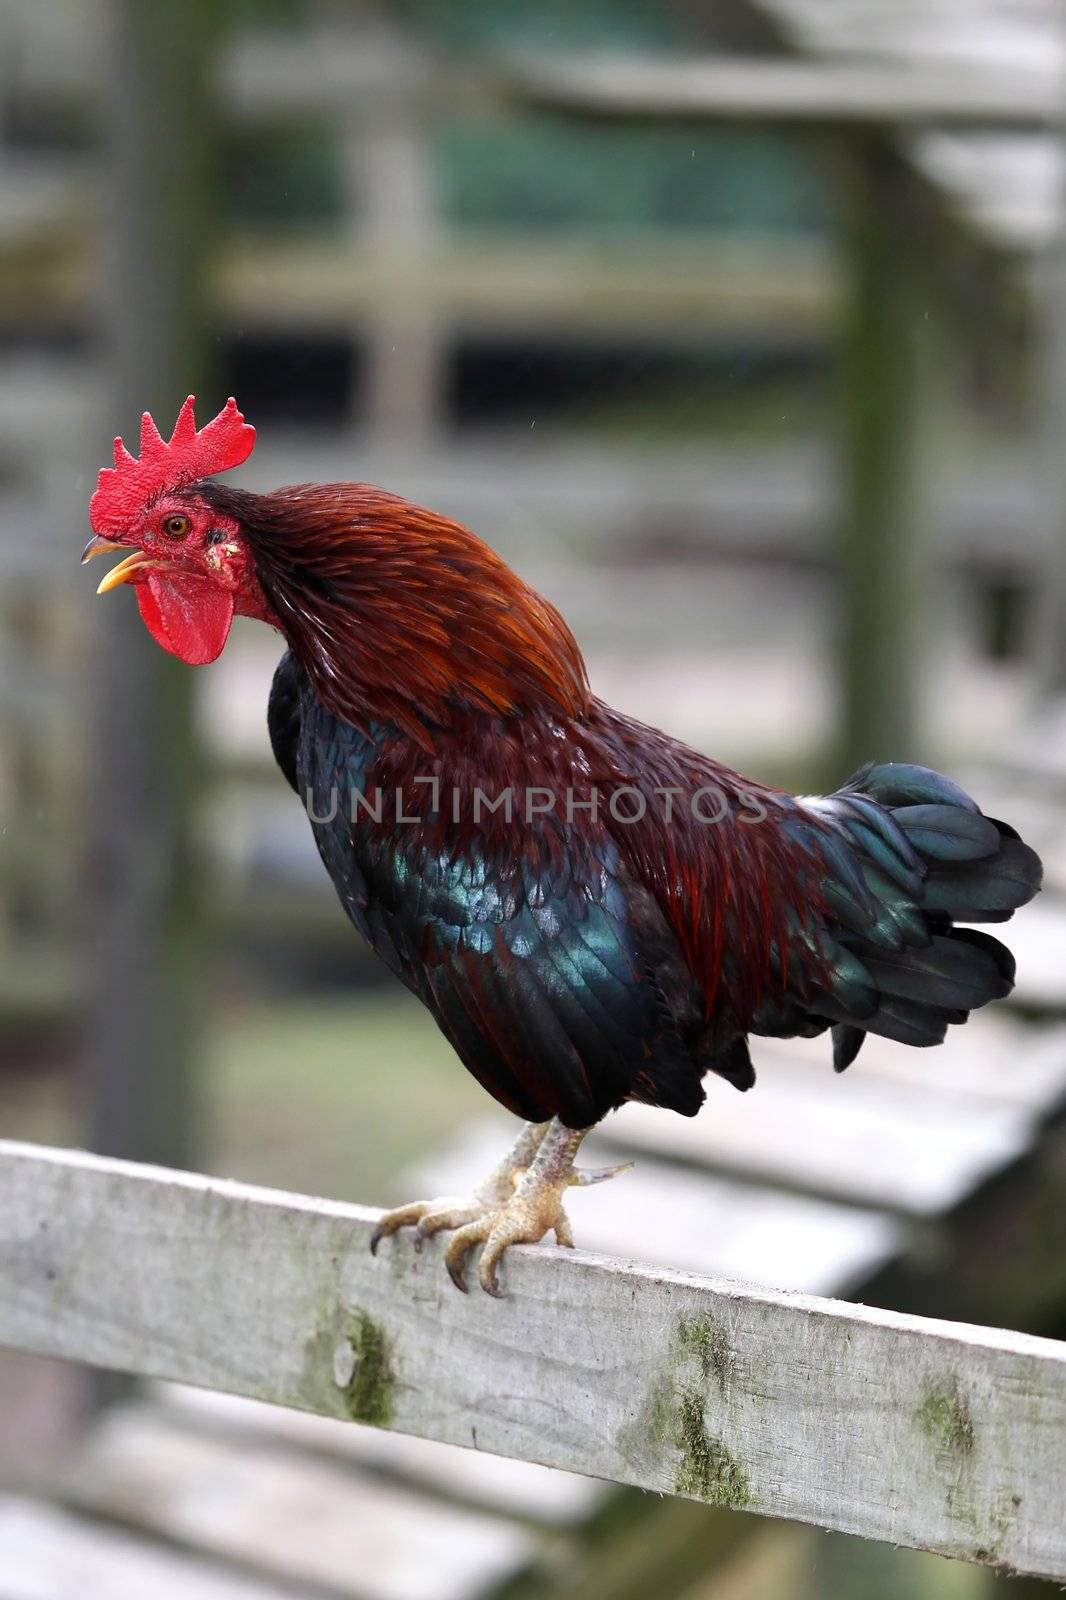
(647, 287)
(931, 1434)
(860, 1138)
(819, 93)
(312, 1524)
(1007, 184)
(343, 75)
(50, 1554)
(961, 34)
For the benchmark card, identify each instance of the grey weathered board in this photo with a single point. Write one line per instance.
(815, 93)
(925, 1433)
(859, 1138)
(984, 137)
(1008, 183)
(47, 1553)
(308, 1522)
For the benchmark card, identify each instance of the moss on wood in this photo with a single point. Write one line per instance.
(368, 1392)
(348, 1367)
(674, 1416)
(946, 1420)
(707, 1469)
(707, 1340)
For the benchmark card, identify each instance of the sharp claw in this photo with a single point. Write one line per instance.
(486, 1270)
(598, 1174)
(462, 1242)
(391, 1222)
(455, 1273)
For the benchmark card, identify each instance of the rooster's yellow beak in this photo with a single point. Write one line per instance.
(124, 571)
(96, 547)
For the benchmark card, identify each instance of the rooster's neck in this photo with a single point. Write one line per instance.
(400, 616)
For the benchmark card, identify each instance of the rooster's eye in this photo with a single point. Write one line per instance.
(175, 527)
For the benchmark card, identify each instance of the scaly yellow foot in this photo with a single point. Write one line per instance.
(518, 1203)
(453, 1211)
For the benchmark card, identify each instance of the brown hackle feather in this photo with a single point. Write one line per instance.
(400, 615)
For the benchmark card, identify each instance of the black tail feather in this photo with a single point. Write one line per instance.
(989, 890)
(934, 860)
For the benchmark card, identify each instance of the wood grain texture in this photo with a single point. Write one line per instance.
(924, 1433)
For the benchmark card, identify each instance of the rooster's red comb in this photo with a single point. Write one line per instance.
(125, 489)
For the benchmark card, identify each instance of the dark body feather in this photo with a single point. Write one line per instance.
(577, 961)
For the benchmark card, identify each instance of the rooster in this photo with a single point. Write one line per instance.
(591, 911)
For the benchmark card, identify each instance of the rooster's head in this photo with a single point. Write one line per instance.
(190, 566)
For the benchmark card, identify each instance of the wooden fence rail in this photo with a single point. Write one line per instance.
(931, 1434)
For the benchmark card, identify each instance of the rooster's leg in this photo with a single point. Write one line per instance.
(534, 1209)
(453, 1211)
